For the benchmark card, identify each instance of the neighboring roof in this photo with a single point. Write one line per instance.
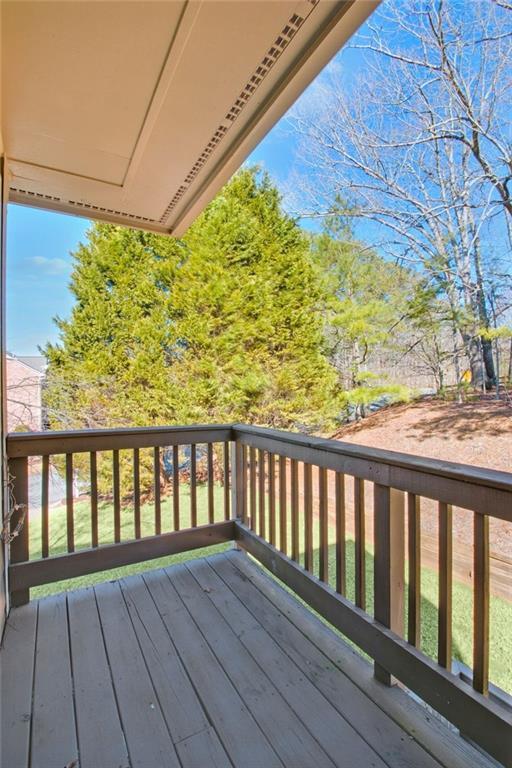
(37, 362)
(138, 112)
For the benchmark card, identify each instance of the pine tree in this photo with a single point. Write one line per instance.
(222, 325)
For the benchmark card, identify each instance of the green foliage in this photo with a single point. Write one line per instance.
(491, 334)
(365, 395)
(366, 299)
(222, 325)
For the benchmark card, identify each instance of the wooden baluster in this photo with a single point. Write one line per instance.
(237, 481)
(341, 567)
(93, 470)
(176, 487)
(227, 493)
(261, 492)
(323, 524)
(193, 486)
(156, 488)
(244, 484)
(70, 521)
(252, 487)
(45, 483)
(360, 542)
(117, 497)
(481, 604)
(283, 533)
(272, 499)
(389, 562)
(136, 492)
(294, 481)
(444, 634)
(308, 517)
(211, 509)
(414, 587)
(19, 547)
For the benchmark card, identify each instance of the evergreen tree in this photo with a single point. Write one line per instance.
(222, 325)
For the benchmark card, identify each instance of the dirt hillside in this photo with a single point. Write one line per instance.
(477, 433)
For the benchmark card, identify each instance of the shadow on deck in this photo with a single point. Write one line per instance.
(210, 663)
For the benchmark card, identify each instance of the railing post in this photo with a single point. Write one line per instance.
(237, 481)
(389, 564)
(19, 548)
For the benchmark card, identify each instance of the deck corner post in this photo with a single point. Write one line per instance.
(389, 564)
(18, 502)
(237, 481)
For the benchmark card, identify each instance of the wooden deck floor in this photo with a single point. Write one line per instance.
(205, 664)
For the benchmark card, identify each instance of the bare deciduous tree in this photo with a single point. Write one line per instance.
(420, 143)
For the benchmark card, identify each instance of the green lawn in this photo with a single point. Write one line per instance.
(82, 519)
(501, 610)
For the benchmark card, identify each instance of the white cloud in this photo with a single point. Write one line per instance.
(52, 266)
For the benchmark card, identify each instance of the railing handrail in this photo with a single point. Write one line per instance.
(491, 478)
(24, 444)
(21, 444)
(478, 489)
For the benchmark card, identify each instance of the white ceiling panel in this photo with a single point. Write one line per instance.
(137, 112)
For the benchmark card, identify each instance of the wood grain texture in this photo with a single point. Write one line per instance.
(93, 470)
(45, 483)
(335, 667)
(211, 480)
(414, 560)
(341, 560)
(252, 488)
(272, 498)
(360, 542)
(444, 626)
(323, 525)
(193, 486)
(175, 488)
(156, 490)
(308, 517)
(70, 517)
(481, 604)
(261, 494)
(225, 482)
(116, 482)
(389, 564)
(58, 567)
(100, 734)
(136, 492)
(17, 658)
(53, 739)
(482, 720)
(213, 663)
(145, 729)
(283, 510)
(294, 507)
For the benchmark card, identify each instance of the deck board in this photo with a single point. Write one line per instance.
(210, 663)
(17, 671)
(342, 743)
(368, 719)
(101, 740)
(145, 729)
(289, 736)
(53, 738)
(237, 729)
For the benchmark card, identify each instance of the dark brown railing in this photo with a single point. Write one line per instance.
(290, 500)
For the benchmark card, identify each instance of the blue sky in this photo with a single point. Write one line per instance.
(39, 263)
(38, 269)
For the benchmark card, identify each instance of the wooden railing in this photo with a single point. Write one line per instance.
(290, 500)
(32, 455)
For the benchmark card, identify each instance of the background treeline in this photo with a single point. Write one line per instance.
(247, 318)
